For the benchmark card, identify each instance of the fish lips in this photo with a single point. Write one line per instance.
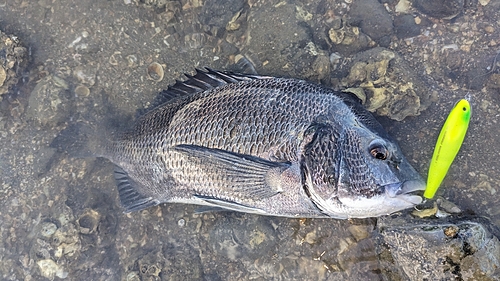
(410, 190)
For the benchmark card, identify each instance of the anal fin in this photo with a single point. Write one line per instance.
(218, 204)
(128, 190)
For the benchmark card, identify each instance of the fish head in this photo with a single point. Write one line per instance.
(359, 173)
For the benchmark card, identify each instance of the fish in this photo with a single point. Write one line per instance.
(258, 144)
(447, 146)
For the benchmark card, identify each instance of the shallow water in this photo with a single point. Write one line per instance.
(63, 214)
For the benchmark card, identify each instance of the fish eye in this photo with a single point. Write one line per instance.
(379, 151)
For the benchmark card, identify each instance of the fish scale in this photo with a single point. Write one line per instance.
(241, 142)
(262, 145)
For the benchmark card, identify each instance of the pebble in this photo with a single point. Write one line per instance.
(403, 6)
(336, 36)
(88, 221)
(131, 60)
(448, 206)
(424, 213)
(13, 60)
(451, 231)
(441, 9)
(302, 14)
(155, 72)
(50, 269)
(219, 13)
(310, 237)
(82, 91)
(48, 229)
(358, 231)
(334, 58)
(85, 74)
(234, 24)
(494, 81)
(489, 29)
(3, 76)
(321, 66)
(47, 102)
(133, 276)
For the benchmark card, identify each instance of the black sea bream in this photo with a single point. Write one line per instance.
(262, 145)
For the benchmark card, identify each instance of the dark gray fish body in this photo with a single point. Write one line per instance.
(265, 145)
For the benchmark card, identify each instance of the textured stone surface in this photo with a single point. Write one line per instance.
(439, 250)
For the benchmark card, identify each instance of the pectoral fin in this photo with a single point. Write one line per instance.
(245, 176)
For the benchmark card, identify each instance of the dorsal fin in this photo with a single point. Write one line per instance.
(201, 81)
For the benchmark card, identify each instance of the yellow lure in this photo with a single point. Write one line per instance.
(447, 146)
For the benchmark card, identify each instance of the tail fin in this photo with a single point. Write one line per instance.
(82, 140)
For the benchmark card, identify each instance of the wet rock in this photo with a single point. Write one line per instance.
(425, 212)
(438, 250)
(230, 239)
(280, 51)
(494, 81)
(155, 72)
(348, 40)
(66, 241)
(359, 259)
(219, 13)
(194, 40)
(55, 243)
(165, 259)
(150, 266)
(373, 19)
(50, 102)
(47, 229)
(403, 6)
(224, 242)
(13, 61)
(88, 221)
(242, 65)
(490, 8)
(183, 263)
(85, 74)
(439, 209)
(448, 206)
(82, 91)
(387, 83)
(476, 76)
(235, 22)
(49, 269)
(405, 26)
(153, 3)
(321, 66)
(3, 76)
(359, 232)
(442, 9)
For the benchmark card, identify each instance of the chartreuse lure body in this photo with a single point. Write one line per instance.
(447, 146)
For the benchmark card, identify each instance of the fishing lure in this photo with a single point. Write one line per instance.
(447, 146)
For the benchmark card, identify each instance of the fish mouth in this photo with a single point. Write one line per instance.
(411, 190)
